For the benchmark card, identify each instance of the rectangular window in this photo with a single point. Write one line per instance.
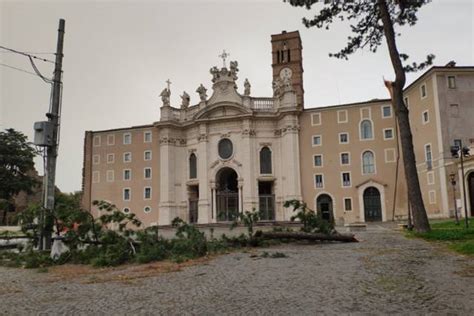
(147, 173)
(423, 91)
(451, 82)
(426, 117)
(346, 179)
(432, 197)
(343, 138)
(147, 155)
(147, 193)
(127, 174)
(390, 155)
(95, 177)
(317, 140)
(347, 204)
(318, 160)
(342, 116)
(126, 194)
(110, 158)
(386, 111)
(110, 175)
(345, 159)
(428, 157)
(388, 133)
(110, 139)
(318, 181)
(430, 179)
(147, 137)
(96, 159)
(127, 138)
(127, 157)
(96, 141)
(316, 119)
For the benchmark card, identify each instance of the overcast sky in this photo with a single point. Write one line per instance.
(118, 55)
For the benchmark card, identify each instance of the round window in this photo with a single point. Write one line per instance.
(147, 209)
(126, 210)
(225, 148)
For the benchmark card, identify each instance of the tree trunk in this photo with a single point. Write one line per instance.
(420, 219)
(309, 236)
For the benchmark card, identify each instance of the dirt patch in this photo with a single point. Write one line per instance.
(126, 274)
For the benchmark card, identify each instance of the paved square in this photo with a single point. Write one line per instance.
(384, 273)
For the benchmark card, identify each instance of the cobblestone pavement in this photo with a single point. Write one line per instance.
(384, 273)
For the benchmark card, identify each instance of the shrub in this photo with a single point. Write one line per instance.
(311, 220)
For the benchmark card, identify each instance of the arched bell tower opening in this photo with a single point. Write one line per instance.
(227, 195)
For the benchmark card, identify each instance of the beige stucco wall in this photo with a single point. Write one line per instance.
(112, 191)
(329, 129)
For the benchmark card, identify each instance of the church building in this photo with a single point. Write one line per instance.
(233, 151)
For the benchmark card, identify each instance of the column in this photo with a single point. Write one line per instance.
(204, 190)
(214, 202)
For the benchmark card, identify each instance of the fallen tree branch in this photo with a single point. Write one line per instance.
(309, 236)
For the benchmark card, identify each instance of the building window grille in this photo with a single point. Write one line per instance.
(346, 179)
(318, 179)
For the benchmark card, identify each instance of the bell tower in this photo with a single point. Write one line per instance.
(287, 61)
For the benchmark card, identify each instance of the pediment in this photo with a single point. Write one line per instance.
(225, 91)
(221, 110)
(369, 182)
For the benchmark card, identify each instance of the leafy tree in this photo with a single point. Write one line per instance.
(371, 22)
(312, 221)
(16, 161)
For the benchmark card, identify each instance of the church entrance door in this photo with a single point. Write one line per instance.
(372, 205)
(227, 195)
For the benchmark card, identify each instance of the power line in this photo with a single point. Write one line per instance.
(34, 53)
(27, 55)
(19, 69)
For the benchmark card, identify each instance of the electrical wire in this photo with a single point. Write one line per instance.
(28, 55)
(19, 69)
(38, 72)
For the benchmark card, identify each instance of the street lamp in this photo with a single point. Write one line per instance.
(458, 151)
(452, 177)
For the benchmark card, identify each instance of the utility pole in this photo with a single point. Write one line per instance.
(52, 151)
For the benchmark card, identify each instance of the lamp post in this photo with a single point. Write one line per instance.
(458, 151)
(452, 177)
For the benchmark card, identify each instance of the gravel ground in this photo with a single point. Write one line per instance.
(383, 273)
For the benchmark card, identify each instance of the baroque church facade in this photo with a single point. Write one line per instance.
(233, 152)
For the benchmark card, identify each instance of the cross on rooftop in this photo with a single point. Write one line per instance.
(224, 55)
(168, 83)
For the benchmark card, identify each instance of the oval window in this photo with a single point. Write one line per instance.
(225, 148)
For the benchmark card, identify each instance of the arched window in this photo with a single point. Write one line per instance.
(192, 166)
(368, 164)
(265, 161)
(366, 129)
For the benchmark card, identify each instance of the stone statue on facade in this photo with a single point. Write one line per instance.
(276, 84)
(165, 96)
(202, 92)
(234, 69)
(215, 72)
(288, 86)
(185, 98)
(247, 87)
